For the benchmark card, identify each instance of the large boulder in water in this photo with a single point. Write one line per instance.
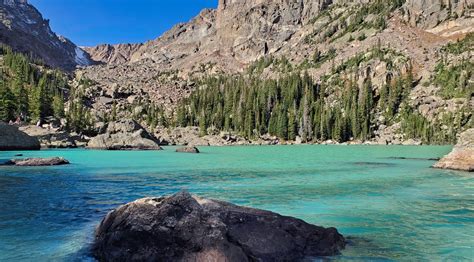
(188, 228)
(124, 134)
(13, 139)
(462, 156)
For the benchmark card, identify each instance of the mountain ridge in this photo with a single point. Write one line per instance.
(243, 31)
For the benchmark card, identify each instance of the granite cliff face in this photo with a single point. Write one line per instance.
(24, 29)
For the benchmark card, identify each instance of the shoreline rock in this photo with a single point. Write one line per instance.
(12, 139)
(124, 134)
(54, 161)
(462, 156)
(55, 137)
(183, 227)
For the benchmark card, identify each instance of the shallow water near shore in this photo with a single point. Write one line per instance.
(389, 209)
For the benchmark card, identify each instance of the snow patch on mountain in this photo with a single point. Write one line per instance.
(81, 58)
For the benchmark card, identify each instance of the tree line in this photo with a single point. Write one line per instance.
(292, 106)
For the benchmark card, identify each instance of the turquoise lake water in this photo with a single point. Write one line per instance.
(389, 209)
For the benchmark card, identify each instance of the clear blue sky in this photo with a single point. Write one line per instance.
(92, 22)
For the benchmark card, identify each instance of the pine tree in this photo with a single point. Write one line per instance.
(35, 103)
(292, 125)
(282, 129)
(7, 106)
(202, 125)
(58, 106)
(181, 116)
(21, 98)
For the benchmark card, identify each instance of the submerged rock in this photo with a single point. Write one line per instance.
(13, 139)
(462, 156)
(188, 149)
(54, 161)
(124, 134)
(188, 228)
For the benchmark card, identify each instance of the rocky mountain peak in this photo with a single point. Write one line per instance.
(24, 29)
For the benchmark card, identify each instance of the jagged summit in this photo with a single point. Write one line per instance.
(24, 29)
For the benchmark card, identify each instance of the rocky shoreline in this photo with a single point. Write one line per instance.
(128, 134)
(191, 136)
(183, 227)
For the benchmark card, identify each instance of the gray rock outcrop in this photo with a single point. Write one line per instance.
(124, 134)
(188, 228)
(462, 156)
(13, 139)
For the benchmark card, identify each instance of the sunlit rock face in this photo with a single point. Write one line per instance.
(462, 156)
